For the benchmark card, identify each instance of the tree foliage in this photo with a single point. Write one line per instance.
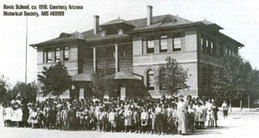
(25, 91)
(4, 87)
(172, 77)
(55, 79)
(102, 81)
(235, 78)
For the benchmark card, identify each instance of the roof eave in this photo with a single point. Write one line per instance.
(54, 42)
(165, 27)
(105, 39)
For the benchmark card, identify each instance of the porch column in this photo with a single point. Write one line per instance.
(116, 59)
(94, 59)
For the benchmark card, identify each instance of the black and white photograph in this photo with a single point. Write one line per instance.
(129, 68)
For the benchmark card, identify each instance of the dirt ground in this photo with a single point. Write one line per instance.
(239, 124)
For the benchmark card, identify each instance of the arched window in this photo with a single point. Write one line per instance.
(162, 79)
(150, 80)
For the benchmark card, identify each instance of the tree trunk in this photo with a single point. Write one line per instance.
(241, 105)
(248, 102)
(230, 106)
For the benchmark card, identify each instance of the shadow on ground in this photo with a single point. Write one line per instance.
(214, 130)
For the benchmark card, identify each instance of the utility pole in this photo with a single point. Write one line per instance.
(26, 54)
(26, 51)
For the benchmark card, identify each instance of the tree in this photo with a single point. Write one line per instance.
(4, 87)
(25, 91)
(102, 81)
(172, 77)
(234, 79)
(55, 79)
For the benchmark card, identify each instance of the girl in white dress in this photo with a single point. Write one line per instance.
(33, 118)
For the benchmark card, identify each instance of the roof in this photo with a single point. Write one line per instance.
(140, 25)
(124, 75)
(117, 21)
(225, 37)
(82, 77)
(63, 37)
(209, 23)
(159, 21)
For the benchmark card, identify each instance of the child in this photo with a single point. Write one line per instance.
(153, 118)
(175, 121)
(136, 120)
(144, 120)
(215, 113)
(64, 118)
(112, 120)
(198, 115)
(209, 114)
(33, 118)
(191, 116)
(100, 119)
(4, 115)
(59, 119)
(86, 118)
(104, 121)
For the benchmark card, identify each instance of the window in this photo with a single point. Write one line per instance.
(124, 54)
(163, 43)
(230, 52)
(120, 31)
(177, 44)
(201, 44)
(226, 51)
(207, 43)
(111, 31)
(49, 56)
(66, 54)
(162, 80)
(233, 53)
(144, 42)
(57, 56)
(150, 46)
(150, 79)
(44, 56)
(211, 48)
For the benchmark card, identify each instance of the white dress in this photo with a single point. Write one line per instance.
(199, 114)
(33, 118)
(182, 121)
(19, 114)
(209, 112)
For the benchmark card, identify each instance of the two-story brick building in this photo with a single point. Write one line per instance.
(140, 46)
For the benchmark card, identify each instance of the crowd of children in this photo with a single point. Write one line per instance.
(176, 115)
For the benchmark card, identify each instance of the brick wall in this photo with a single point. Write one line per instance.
(187, 58)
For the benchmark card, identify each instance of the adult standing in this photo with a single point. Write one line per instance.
(224, 107)
(182, 121)
(25, 115)
(159, 122)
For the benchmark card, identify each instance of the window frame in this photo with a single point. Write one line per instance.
(66, 49)
(150, 79)
(150, 41)
(212, 48)
(48, 56)
(163, 38)
(57, 52)
(174, 44)
(202, 43)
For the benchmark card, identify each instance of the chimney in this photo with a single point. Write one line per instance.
(149, 15)
(96, 24)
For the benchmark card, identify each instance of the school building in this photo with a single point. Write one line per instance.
(139, 47)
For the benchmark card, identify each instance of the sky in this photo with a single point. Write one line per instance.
(239, 18)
